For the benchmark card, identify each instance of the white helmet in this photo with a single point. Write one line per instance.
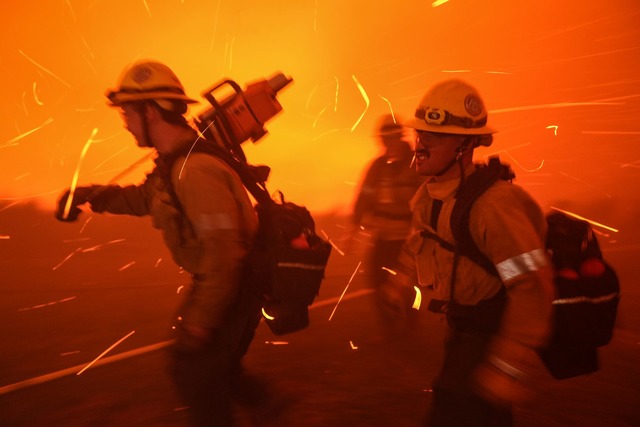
(452, 106)
(148, 80)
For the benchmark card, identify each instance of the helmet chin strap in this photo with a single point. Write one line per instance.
(462, 148)
(140, 108)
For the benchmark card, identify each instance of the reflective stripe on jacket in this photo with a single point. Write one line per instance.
(209, 229)
(508, 226)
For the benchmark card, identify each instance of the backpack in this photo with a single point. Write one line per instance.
(286, 264)
(587, 288)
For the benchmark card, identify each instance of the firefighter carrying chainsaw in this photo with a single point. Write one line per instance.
(207, 219)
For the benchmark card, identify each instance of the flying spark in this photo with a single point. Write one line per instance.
(24, 105)
(19, 137)
(85, 224)
(74, 182)
(96, 247)
(325, 134)
(439, 3)
(597, 224)
(44, 69)
(345, 290)
(200, 136)
(105, 352)
(215, 27)
(315, 121)
(146, 6)
(353, 346)
(326, 236)
(277, 342)
(522, 167)
(585, 182)
(124, 267)
(73, 14)
(47, 304)
(109, 158)
(633, 164)
(390, 108)
(335, 102)
(86, 45)
(67, 258)
(609, 132)
(10, 205)
(35, 95)
(158, 262)
(554, 127)
(129, 169)
(556, 105)
(390, 271)
(366, 100)
(313, 91)
(315, 16)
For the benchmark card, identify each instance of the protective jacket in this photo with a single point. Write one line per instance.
(509, 227)
(382, 205)
(207, 221)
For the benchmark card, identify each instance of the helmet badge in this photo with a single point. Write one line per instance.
(141, 74)
(473, 104)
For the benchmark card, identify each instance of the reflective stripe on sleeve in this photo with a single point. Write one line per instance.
(520, 264)
(218, 221)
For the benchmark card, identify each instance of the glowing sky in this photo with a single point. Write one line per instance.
(560, 80)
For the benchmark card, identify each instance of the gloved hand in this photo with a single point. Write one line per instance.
(80, 196)
(396, 300)
(504, 377)
(192, 338)
(500, 388)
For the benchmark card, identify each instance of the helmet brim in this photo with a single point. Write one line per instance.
(116, 98)
(419, 124)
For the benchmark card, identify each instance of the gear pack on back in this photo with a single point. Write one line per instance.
(287, 262)
(587, 288)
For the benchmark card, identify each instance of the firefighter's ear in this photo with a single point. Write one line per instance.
(464, 145)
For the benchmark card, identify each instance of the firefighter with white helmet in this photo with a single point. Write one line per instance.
(496, 321)
(208, 223)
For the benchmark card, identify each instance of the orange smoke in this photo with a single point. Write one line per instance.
(559, 79)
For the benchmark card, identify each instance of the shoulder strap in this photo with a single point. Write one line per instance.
(252, 177)
(474, 186)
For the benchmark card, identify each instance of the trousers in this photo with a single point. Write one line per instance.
(454, 402)
(205, 377)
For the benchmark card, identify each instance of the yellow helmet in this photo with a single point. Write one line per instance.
(387, 124)
(148, 80)
(452, 106)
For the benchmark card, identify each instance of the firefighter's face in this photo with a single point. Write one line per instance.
(434, 151)
(132, 120)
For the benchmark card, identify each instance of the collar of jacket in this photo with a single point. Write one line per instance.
(443, 190)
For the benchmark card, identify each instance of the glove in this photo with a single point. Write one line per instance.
(81, 196)
(505, 376)
(192, 338)
(396, 300)
(500, 388)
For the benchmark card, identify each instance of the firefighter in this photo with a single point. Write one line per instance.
(208, 224)
(382, 208)
(381, 211)
(495, 323)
